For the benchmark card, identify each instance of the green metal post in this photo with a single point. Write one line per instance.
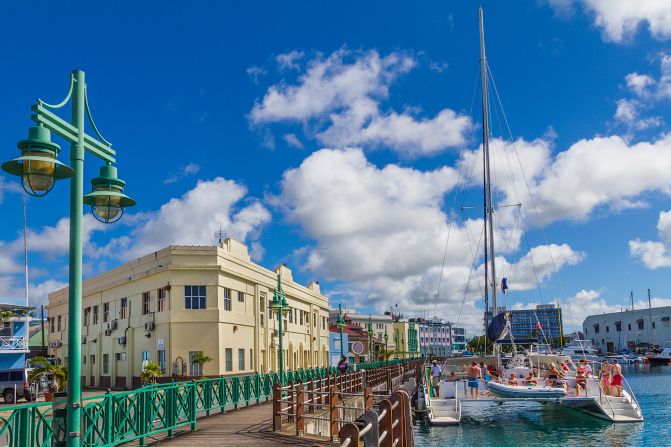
(74, 397)
(279, 317)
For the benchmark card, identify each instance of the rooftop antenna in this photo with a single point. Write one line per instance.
(631, 296)
(220, 235)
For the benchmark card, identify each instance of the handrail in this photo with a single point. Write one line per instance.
(601, 394)
(631, 393)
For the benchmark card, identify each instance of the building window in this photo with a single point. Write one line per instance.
(290, 314)
(227, 299)
(161, 359)
(162, 301)
(95, 314)
(229, 359)
(641, 326)
(146, 300)
(596, 328)
(87, 312)
(628, 326)
(106, 312)
(241, 359)
(607, 329)
(314, 320)
(195, 369)
(59, 323)
(93, 360)
(195, 297)
(323, 322)
(300, 313)
(124, 309)
(241, 297)
(653, 325)
(618, 326)
(262, 310)
(106, 363)
(52, 324)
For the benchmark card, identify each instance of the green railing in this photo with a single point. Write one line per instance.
(113, 418)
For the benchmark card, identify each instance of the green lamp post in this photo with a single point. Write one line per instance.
(403, 346)
(386, 339)
(39, 169)
(280, 307)
(340, 323)
(370, 338)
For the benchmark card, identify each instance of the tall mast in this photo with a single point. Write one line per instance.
(25, 249)
(489, 210)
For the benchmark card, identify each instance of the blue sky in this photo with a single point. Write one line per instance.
(334, 136)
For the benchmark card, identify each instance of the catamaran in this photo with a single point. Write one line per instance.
(445, 405)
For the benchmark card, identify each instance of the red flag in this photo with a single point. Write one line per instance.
(538, 325)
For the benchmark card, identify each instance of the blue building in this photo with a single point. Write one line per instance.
(14, 346)
(525, 323)
(334, 346)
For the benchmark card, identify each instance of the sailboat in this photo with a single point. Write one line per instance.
(444, 405)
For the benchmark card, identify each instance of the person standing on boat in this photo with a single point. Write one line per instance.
(616, 378)
(435, 377)
(605, 376)
(580, 381)
(474, 379)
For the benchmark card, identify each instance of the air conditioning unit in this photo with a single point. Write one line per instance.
(122, 340)
(55, 344)
(108, 332)
(149, 326)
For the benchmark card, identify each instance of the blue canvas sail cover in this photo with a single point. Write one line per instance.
(497, 327)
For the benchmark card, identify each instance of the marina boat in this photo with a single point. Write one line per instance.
(581, 349)
(663, 358)
(445, 405)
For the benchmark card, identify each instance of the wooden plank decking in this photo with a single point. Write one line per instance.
(249, 426)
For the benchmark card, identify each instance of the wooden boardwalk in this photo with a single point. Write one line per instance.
(249, 426)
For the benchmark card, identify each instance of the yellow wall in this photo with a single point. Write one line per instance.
(211, 330)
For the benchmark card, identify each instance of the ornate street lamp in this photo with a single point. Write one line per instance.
(37, 166)
(39, 169)
(107, 199)
(403, 345)
(386, 338)
(340, 323)
(279, 306)
(370, 338)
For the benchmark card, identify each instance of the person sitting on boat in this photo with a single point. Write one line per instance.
(605, 376)
(586, 368)
(616, 378)
(555, 378)
(531, 379)
(435, 377)
(513, 380)
(580, 381)
(453, 377)
(485, 372)
(474, 378)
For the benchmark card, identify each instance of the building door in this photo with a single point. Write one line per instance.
(610, 347)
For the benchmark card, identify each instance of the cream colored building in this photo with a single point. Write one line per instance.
(180, 300)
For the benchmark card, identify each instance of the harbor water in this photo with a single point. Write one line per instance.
(533, 424)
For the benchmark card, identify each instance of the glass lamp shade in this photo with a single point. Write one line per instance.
(107, 207)
(38, 172)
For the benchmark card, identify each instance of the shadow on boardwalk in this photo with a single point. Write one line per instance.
(249, 426)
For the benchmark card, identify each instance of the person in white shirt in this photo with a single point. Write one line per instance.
(435, 377)
(585, 367)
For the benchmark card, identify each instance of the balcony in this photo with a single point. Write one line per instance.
(13, 344)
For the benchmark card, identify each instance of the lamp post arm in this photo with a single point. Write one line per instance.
(69, 132)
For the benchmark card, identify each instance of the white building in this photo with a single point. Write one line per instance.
(615, 331)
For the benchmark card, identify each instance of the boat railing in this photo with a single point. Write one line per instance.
(627, 387)
(602, 394)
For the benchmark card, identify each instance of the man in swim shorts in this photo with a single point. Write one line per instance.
(474, 379)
